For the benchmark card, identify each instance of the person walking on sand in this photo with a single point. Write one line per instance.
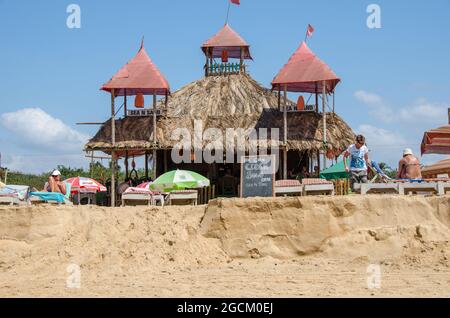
(54, 184)
(409, 166)
(359, 161)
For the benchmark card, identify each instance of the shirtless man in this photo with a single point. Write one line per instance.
(54, 184)
(409, 166)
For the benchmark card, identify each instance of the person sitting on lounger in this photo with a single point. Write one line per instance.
(409, 166)
(359, 161)
(55, 184)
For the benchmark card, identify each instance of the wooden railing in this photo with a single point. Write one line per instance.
(224, 69)
(341, 187)
(206, 194)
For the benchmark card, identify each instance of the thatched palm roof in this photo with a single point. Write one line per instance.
(235, 101)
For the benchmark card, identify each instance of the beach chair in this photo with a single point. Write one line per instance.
(52, 197)
(417, 186)
(14, 195)
(183, 197)
(288, 188)
(443, 186)
(317, 187)
(379, 174)
(138, 196)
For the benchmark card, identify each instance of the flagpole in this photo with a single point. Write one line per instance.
(228, 12)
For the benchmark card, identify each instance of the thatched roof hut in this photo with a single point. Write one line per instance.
(234, 101)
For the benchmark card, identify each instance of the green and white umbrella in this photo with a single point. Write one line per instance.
(179, 180)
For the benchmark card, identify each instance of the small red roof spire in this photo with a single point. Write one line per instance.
(139, 75)
(305, 73)
(229, 40)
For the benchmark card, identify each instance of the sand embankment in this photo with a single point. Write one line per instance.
(224, 249)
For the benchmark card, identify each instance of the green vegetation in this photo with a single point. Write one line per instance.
(97, 172)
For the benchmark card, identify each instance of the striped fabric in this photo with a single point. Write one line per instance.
(140, 191)
(287, 183)
(315, 181)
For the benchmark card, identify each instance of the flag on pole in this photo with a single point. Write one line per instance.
(237, 2)
(310, 31)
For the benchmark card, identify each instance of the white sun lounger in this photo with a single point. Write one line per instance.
(136, 196)
(317, 187)
(15, 195)
(443, 187)
(423, 187)
(288, 187)
(383, 188)
(184, 195)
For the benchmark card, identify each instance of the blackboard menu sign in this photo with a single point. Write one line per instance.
(258, 176)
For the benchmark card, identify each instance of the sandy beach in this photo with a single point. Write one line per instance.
(288, 247)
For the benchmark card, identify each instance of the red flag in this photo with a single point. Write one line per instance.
(238, 2)
(310, 31)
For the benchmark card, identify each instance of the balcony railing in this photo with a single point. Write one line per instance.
(224, 69)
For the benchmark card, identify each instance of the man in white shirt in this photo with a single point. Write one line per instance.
(359, 161)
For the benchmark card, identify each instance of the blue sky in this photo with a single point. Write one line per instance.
(395, 80)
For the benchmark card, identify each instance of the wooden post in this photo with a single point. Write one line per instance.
(324, 115)
(279, 97)
(154, 137)
(285, 134)
(125, 110)
(449, 116)
(334, 104)
(317, 98)
(126, 165)
(92, 165)
(318, 162)
(113, 155)
(146, 166)
(242, 61)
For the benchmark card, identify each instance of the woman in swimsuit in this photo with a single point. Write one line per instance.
(409, 166)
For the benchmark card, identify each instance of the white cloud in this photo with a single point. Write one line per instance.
(385, 145)
(380, 137)
(422, 110)
(378, 108)
(37, 128)
(368, 98)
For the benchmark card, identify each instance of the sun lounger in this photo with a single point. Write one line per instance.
(378, 188)
(418, 186)
(379, 173)
(288, 187)
(51, 197)
(190, 196)
(443, 187)
(18, 195)
(317, 187)
(138, 196)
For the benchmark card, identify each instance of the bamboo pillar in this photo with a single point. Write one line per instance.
(242, 62)
(324, 115)
(125, 110)
(334, 103)
(146, 166)
(318, 162)
(317, 98)
(154, 137)
(285, 134)
(126, 165)
(113, 154)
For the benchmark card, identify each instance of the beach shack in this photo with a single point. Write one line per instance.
(227, 97)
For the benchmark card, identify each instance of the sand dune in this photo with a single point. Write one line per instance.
(259, 247)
